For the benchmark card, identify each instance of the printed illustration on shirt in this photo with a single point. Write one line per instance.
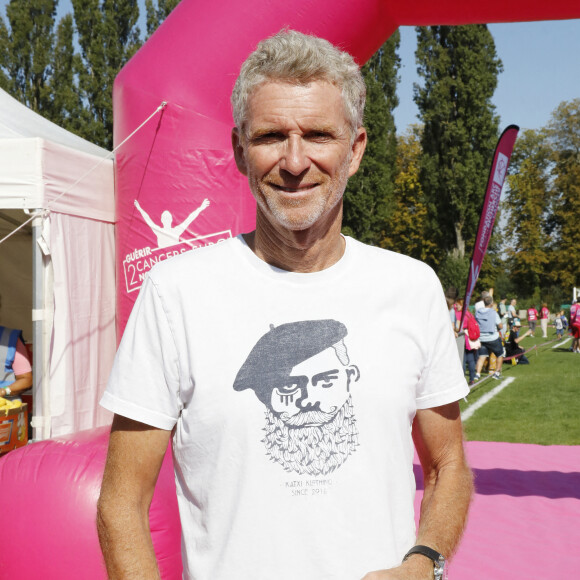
(301, 372)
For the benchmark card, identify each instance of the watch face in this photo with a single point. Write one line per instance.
(440, 572)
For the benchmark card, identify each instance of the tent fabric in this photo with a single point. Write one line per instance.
(35, 172)
(44, 167)
(83, 337)
(17, 120)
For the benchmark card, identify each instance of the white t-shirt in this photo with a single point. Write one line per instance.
(229, 349)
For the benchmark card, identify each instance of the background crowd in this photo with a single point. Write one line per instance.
(492, 331)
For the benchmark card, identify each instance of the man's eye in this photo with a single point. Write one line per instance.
(268, 138)
(288, 388)
(326, 385)
(319, 136)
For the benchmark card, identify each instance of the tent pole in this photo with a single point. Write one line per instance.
(40, 418)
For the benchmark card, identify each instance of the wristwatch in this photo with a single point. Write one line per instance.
(439, 570)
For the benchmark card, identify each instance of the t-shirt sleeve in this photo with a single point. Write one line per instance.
(21, 364)
(145, 380)
(442, 380)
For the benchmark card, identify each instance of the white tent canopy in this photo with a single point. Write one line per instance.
(59, 271)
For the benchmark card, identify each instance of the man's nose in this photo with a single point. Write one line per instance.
(308, 399)
(295, 159)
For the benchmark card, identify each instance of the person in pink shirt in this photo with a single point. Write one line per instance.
(532, 318)
(574, 311)
(544, 316)
(575, 326)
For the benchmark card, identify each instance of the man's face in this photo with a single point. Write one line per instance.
(297, 152)
(320, 383)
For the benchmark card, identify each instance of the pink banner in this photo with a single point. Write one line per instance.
(501, 159)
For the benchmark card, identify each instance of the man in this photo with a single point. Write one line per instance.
(512, 314)
(503, 312)
(480, 304)
(490, 327)
(326, 489)
(512, 345)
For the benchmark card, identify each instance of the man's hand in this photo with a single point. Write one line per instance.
(417, 567)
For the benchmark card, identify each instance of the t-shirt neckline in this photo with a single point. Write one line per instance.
(337, 269)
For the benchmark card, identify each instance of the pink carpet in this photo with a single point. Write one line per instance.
(524, 522)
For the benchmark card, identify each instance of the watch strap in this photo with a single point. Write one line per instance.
(438, 559)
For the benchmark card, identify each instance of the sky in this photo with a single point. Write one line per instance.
(541, 69)
(541, 63)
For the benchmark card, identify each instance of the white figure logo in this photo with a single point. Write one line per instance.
(168, 235)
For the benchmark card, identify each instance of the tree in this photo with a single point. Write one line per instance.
(406, 227)
(4, 55)
(369, 192)
(528, 200)
(563, 134)
(459, 68)
(65, 108)
(156, 14)
(108, 36)
(27, 50)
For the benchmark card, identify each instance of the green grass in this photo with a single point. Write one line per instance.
(541, 406)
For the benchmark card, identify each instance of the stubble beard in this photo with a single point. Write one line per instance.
(312, 449)
(287, 214)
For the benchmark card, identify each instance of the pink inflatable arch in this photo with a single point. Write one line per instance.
(49, 496)
(183, 156)
(179, 169)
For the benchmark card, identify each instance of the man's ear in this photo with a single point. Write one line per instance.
(352, 373)
(237, 145)
(358, 149)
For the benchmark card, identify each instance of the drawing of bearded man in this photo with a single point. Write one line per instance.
(301, 372)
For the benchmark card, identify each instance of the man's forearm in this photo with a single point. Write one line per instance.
(126, 543)
(134, 460)
(444, 508)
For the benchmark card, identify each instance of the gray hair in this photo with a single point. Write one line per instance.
(297, 58)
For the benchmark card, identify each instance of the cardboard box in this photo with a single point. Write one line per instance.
(13, 429)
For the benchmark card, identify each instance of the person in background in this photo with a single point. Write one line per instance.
(575, 326)
(16, 374)
(544, 317)
(490, 325)
(480, 304)
(503, 312)
(511, 311)
(532, 319)
(512, 344)
(471, 346)
(451, 297)
(559, 324)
